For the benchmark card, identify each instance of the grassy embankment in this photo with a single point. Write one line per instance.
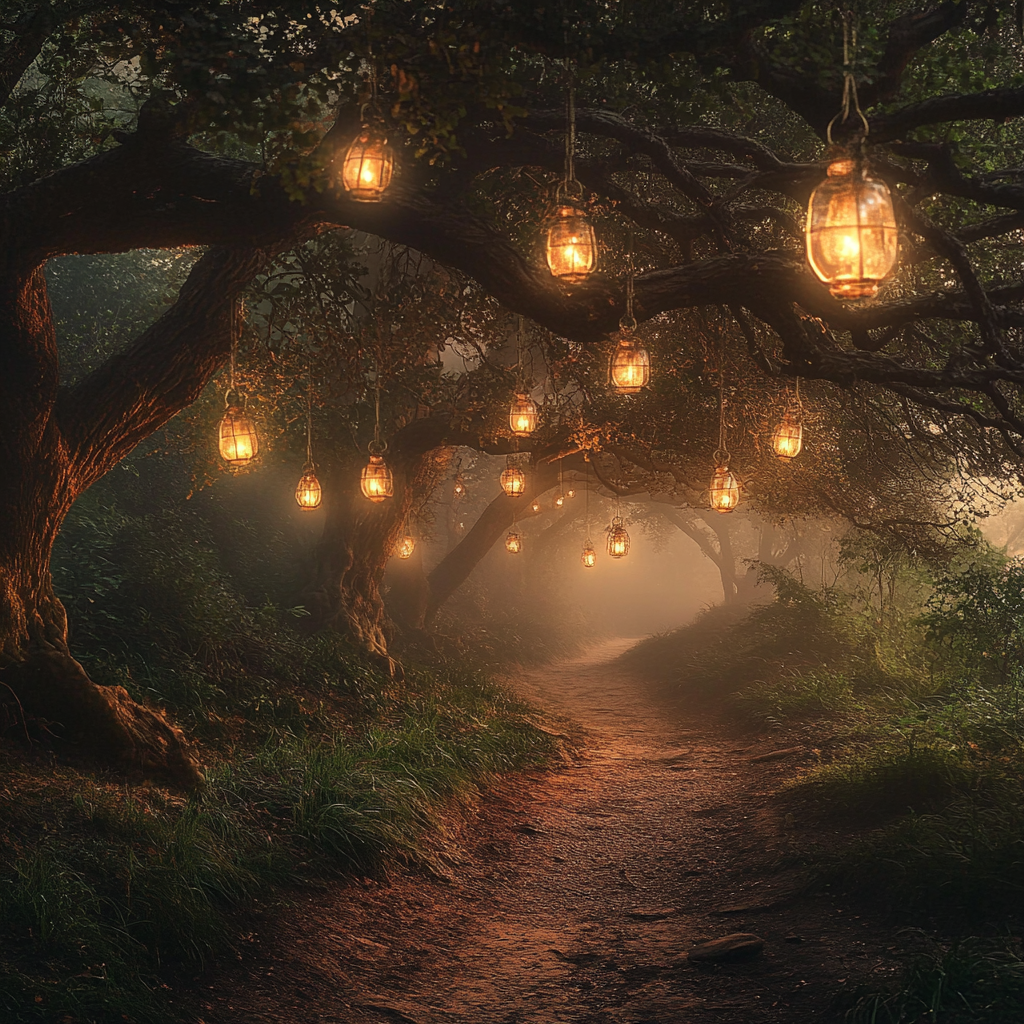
(917, 712)
(316, 766)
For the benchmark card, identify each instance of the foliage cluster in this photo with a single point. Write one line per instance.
(316, 764)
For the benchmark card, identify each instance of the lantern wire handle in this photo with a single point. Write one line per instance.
(309, 414)
(850, 99)
(628, 322)
(570, 186)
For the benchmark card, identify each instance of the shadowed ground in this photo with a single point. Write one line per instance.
(578, 893)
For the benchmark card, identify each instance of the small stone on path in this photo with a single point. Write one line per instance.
(728, 948)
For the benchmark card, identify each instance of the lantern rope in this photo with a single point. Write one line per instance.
(629, 321)
(570, 134)
(234, 330)
(721, 455)
(850, 99)
(309, 414)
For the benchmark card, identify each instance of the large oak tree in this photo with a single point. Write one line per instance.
(699, 127)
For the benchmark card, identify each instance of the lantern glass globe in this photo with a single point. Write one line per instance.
(589, 555)
(406, 546)
(513, 481)
(522, 415)
(308, 493)
(368, 166)
(236, 435)
(618, 539)
(630, 368)
(852, 239)
(571, 244)
(788, 438)
(513, 543)
(376, 481)
(724, 492)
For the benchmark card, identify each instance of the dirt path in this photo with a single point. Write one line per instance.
(579, 894)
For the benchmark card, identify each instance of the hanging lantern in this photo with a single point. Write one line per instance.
(367, 166)
(559, 500)
(376, 482)
(788, 438)
(630, 367)
(589, 556)
(852, 239)
(618, 539)
(571, 493)
(522, 415)
(513, 480)
(406, 546)
(460, 487)
(308, 493)
(571, 244)
(513, 542)
(535, 506)
(724, 492)
(238, 442)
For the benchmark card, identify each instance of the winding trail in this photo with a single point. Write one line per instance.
(578, 893)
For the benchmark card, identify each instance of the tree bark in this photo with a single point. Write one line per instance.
(54, 443)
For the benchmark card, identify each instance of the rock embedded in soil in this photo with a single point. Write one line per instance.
(727, 949)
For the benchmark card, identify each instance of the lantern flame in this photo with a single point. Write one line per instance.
(589, 555)
(522, 415)
(376, 481)
(724, 492)
(618, 539)
(237, 438)
(788, 439)
(571, 245)
(367, 167)
(406, 546)
(308, 493)
(513, 543)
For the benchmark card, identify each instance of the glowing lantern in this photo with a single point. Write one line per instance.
(571, 493)
(572, 245)
(460, 487)
(239, 444)
(535, 506)
(724, 492)
(589, 556)
(522, 416)
(852, 239)
(367, 166)
(559, 500)
(406, 546)
(377, 483)
(513, 543)
(788, 438)
(618, 539)
(513, 481)
(308, 493)
(630, 369)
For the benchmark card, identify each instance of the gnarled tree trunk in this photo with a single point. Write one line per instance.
(54, 443)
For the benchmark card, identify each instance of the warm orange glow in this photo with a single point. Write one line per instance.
(571, 493)
(513, 543)
(571, 245)
(618, 539)
(308, 493)
(238, 442)
(367, 166)
(406, 546)
(630, 369)
(377, 482)
(559, 500)
(535, 506)
(724, 492)
(788, 438)
(513, 481)
(522, 416)
(460, 487)
(589, 556)
(852, 240)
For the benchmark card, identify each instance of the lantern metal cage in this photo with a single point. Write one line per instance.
(724, 491)
(571, 244)
(629, 371)
(618, 539)
(376, 481)
(513, 480)
(368, 166)
(522, 415)
(405, 547)
(788, 436)
(852, 238)
(513, 542)
(589, 555)
(308, 493)
(237, 438)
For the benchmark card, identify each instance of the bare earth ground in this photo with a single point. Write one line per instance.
(577, 895)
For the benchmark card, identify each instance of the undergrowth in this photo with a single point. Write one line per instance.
(317, 766)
